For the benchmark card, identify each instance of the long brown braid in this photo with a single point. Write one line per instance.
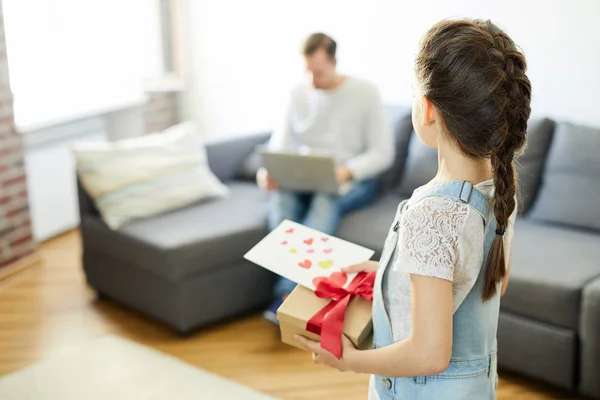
(474, 74)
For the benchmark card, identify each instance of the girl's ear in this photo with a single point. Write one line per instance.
(428, 112)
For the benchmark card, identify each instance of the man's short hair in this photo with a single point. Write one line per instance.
(318, 41)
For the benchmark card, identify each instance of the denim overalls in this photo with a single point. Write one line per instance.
(471, 373)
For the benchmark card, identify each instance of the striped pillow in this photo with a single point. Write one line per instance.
(145, 176)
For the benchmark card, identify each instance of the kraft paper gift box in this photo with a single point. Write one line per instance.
(297, 313)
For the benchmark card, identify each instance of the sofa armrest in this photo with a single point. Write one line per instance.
(589, 384)
(226, 157)
(86, 204)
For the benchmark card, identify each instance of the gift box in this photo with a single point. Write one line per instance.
(327, 303)
(336, 307)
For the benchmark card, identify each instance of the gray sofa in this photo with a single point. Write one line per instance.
(185, 268)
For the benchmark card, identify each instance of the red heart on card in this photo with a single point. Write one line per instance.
(291, 230)
(327, 251)
(308, 241)
(324, 239)
(305, 264)
(284, 242)
(338, 278)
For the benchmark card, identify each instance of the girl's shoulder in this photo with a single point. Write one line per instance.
(436, 211)
(431, 229)
(446, 213)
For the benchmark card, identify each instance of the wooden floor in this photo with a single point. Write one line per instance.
(48, 310)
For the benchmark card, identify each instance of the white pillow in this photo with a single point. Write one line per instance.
(145, 176)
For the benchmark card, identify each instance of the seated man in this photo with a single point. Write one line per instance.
(339, 114)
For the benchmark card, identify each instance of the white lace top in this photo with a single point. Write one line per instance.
(438, 237)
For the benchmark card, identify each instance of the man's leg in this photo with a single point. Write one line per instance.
(325, 211)
(361, 195)
(283, 205)
(286, 205)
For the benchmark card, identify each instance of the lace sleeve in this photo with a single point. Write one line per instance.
(428, 237)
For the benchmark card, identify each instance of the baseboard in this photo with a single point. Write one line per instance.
(20, 265)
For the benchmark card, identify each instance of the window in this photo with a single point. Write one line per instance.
(71, 58)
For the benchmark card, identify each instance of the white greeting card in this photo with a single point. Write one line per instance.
(301, 254)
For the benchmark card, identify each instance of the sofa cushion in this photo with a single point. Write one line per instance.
(202, 236)
(421, 166)
(550, 267)
(401, 123)
(531, 163)
(422, 163)
(251, 161)
(144, 176)
(570, 188)
(226, 156)
(250, 166)
(369, 226)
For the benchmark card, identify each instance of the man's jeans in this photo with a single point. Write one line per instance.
(322, 212)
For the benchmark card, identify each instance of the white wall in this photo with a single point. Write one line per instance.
(242, 57)
(51, 181)
(50, 165)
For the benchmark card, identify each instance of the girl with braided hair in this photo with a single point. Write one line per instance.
(446, 260)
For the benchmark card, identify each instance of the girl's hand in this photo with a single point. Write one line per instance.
(322, 356)
(367, 266)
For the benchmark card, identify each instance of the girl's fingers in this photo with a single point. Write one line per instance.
(309, 345)
(347, 342)
(354, 268)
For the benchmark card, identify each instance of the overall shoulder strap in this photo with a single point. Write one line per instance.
(462, 191)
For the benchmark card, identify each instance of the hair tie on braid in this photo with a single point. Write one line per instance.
(500, 232)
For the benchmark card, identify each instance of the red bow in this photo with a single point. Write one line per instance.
(329, 321)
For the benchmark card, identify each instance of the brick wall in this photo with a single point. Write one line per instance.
(16, 238)
(161, 111)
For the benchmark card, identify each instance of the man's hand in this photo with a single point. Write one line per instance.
(264, 181)
(343, 174)
(321, 356)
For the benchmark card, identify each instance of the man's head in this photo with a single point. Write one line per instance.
(319, 54)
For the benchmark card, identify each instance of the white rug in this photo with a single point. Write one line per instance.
(116, 369)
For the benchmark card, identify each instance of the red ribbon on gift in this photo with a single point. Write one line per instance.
(329, 321)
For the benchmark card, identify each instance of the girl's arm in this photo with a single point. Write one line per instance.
(426, 352)
(506, 277)
(508, 246)
(428, 348)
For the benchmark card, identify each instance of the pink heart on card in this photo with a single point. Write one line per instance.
(324, 239)
(327, 251)
(284, 242)
(310, 250)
